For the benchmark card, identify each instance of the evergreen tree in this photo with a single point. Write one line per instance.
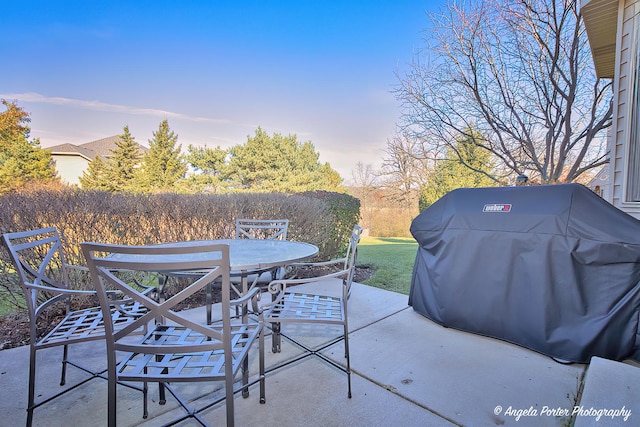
(21, 161)
(96, 176)
(123, 165)
(14, 123)
(279, 164)
(209, 165)
(452, 172)
(163, 165)
(210, 161)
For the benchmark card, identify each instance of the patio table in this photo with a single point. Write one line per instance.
(246, 256)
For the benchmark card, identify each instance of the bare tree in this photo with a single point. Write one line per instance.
(521, 74)
(365, 185)
(364, 176)
(405, 168)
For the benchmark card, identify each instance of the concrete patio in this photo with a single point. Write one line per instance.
(407, 371)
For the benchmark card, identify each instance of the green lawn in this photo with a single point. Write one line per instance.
(393, 259)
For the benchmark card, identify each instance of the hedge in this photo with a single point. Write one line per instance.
(322, 218)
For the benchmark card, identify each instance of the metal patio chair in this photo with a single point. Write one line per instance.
(266, 229)
(289, 305)
(177, 349)
(45, 278)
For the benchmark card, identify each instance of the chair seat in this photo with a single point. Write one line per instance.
(182, 365)
(307, 307)
(87, 325)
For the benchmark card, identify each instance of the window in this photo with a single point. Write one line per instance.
(633, 176)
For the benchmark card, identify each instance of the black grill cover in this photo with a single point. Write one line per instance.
(552, 268)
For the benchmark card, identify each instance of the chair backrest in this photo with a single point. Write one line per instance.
(267, 229)
(350, 258)
(107, 261)
(40, 266)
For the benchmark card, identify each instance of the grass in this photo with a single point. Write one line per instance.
(6, 308)
(10, 294)
(393, 259)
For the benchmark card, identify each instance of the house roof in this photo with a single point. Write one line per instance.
(601, 20)
(73, 150)
(100, 147)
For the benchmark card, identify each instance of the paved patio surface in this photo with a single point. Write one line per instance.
(407, 371)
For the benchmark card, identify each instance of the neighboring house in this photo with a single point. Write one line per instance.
(613, 28)
(600, 181)
(72, 160)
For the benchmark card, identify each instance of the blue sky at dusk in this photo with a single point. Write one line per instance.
(322, 70)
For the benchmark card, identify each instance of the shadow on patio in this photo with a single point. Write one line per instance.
(407, 371)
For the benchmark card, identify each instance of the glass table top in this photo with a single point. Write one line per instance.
(246, 254)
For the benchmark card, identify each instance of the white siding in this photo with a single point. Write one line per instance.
(626, 40)
(70, 168)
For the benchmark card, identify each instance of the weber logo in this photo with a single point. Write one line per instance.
(496, 207)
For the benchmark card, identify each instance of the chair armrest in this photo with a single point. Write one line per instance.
(59, 290)
(58, 295)
(124, 306)
(253, 296)
(319, 263)
(292, 273)
(278, 288)
(245, 298)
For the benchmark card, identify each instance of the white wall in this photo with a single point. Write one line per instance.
(626, 39)
(70, 168)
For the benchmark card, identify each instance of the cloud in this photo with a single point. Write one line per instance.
(103, 106)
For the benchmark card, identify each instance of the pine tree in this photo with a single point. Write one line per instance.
(280, 164)
(209, 170)
(163, 165)
(452, 172)
(21, 161)
(96, 176)
(121, 169)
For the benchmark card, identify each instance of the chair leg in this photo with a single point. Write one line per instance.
(229, 400)
(32, 386)
(276, 339)
(346, 355)
(112, 399)
(245, 376)
(262, 367)
(63, 375)
(162, 395)
(145, 406)
(208, 301)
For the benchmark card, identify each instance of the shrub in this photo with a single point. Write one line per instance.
(345, 212)
(321, 218)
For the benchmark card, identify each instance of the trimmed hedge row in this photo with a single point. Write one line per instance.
(322, 218)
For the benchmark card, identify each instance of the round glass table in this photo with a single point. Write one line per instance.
(247, 255)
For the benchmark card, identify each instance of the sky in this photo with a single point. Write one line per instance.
(216, 70)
